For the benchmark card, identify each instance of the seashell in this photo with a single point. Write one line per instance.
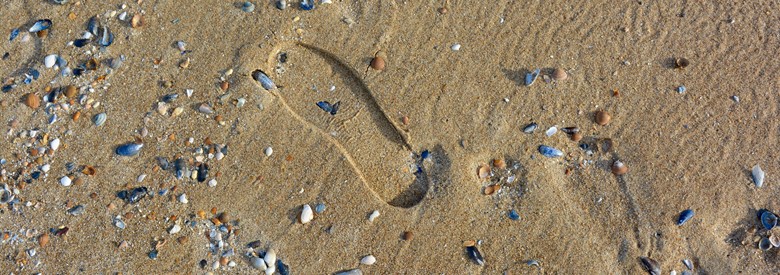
(129, 149)
(650, 265)
(270, 257)
(65, 181)
(688, 264)
(378, 63)
(122, 16)
(181, 45)
(685, 215)
(532, 263)
(681, 89)
(368, 260)
(768, 220)
(474, 255)
(513, 215)
(174, 229)
(269, 151)
(306, 214)
(531, 77)
(571, 130)
(602, 118)
(76, 210)
(373, 215)
(355, 271)
(307, 5)
(758, 176)
(550, 152)
(551, 131)
(203, 172)
(271, 269)
(99, 119)
(106, 38)
(258, 263)
(483, 171)
(137, 21)
(117, 62)
(93, 25)
(618, 168)
(681, 63)
(281, 4)
(329, 108)
(530, 128)
(71, 91)
(774, 239)
(183, 198)
(576, 137)
(40, 25)
(6, 196)
(55, 144)
(248, 7)
(765, 244)
(205, 108)
(119, 223)
(492, 189)
(499, 163)
(13, 35)
(283, 268)
(559, 74)
(319, 208)
(455, 47)
(50, 60)
(264, 80)
(81, 42)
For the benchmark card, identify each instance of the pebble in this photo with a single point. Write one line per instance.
(368, 260)
(306, 214)
(551, 131)
(281, 4)
(681, 89)
(407, 235)
(137, 21)
(269, 151)
(373, 215)
(455, 47)
(618, 168)
(378, 63)
(681, 63)
(602, 118)
(576, 137)
(43, 240)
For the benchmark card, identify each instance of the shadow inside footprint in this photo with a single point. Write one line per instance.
(311, 82)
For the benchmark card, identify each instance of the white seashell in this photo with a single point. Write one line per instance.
(141, 177)
(551, 131)
(240, 102)
(50, 60)
(174, 229)
(213, 183)
(183, 198)
(55, 144)
(189, 92)
(65, 181)
(219, 155)
(368, 260)
(355, 271)
(373, 215)
(45, 168)
(455, 47)
(270, 257)
(306, 214)
(258, 263)
(269, 151)
(270, 270)
(758, 176)
(100, 119)
(122, 16)
(181, 45)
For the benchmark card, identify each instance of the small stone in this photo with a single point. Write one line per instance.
(559, 74)
(137, 21)
(602, 118)
(455, 47)
(306, 214)
(576, 137)
(43, 240)
(71, 91)
(378, 63)
(224, 85)
(373, 216)
(368, 260)
(407, 235)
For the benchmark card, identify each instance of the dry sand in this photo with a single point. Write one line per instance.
(690, 150)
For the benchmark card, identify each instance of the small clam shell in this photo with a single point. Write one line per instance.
(99, 119)
(550, 152)
(765, 244)
(559, 74)
(264, 80)
(281, 4)
(774, 239)
(129, 149)
(685, 215)
(55, 144)
(269, 151)
(483, 171)
(618, 168)
(50, 60)
(306, 214)
(137, 21)
(602, 118)
(758, 176)
(6, 196)
(205, 108)
(65, 181)
(378, 63)
(768, 220)
(258, 263)
(368, 260)
(270, 257)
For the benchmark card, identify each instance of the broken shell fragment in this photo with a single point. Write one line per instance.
(650, 265)
(264, 80)
(474, 255)
(129, 149)
(758, 176)
(550, 152)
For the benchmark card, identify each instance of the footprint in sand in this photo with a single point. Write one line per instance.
(367, 138)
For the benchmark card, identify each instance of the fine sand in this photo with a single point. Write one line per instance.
(691, 150)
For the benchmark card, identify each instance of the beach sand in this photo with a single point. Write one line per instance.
(691, 150)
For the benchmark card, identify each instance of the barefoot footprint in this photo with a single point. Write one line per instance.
(368, 139)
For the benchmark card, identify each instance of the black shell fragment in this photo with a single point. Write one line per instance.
(203, 172)
(474, 254)
(133, 196)
(650, 265)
